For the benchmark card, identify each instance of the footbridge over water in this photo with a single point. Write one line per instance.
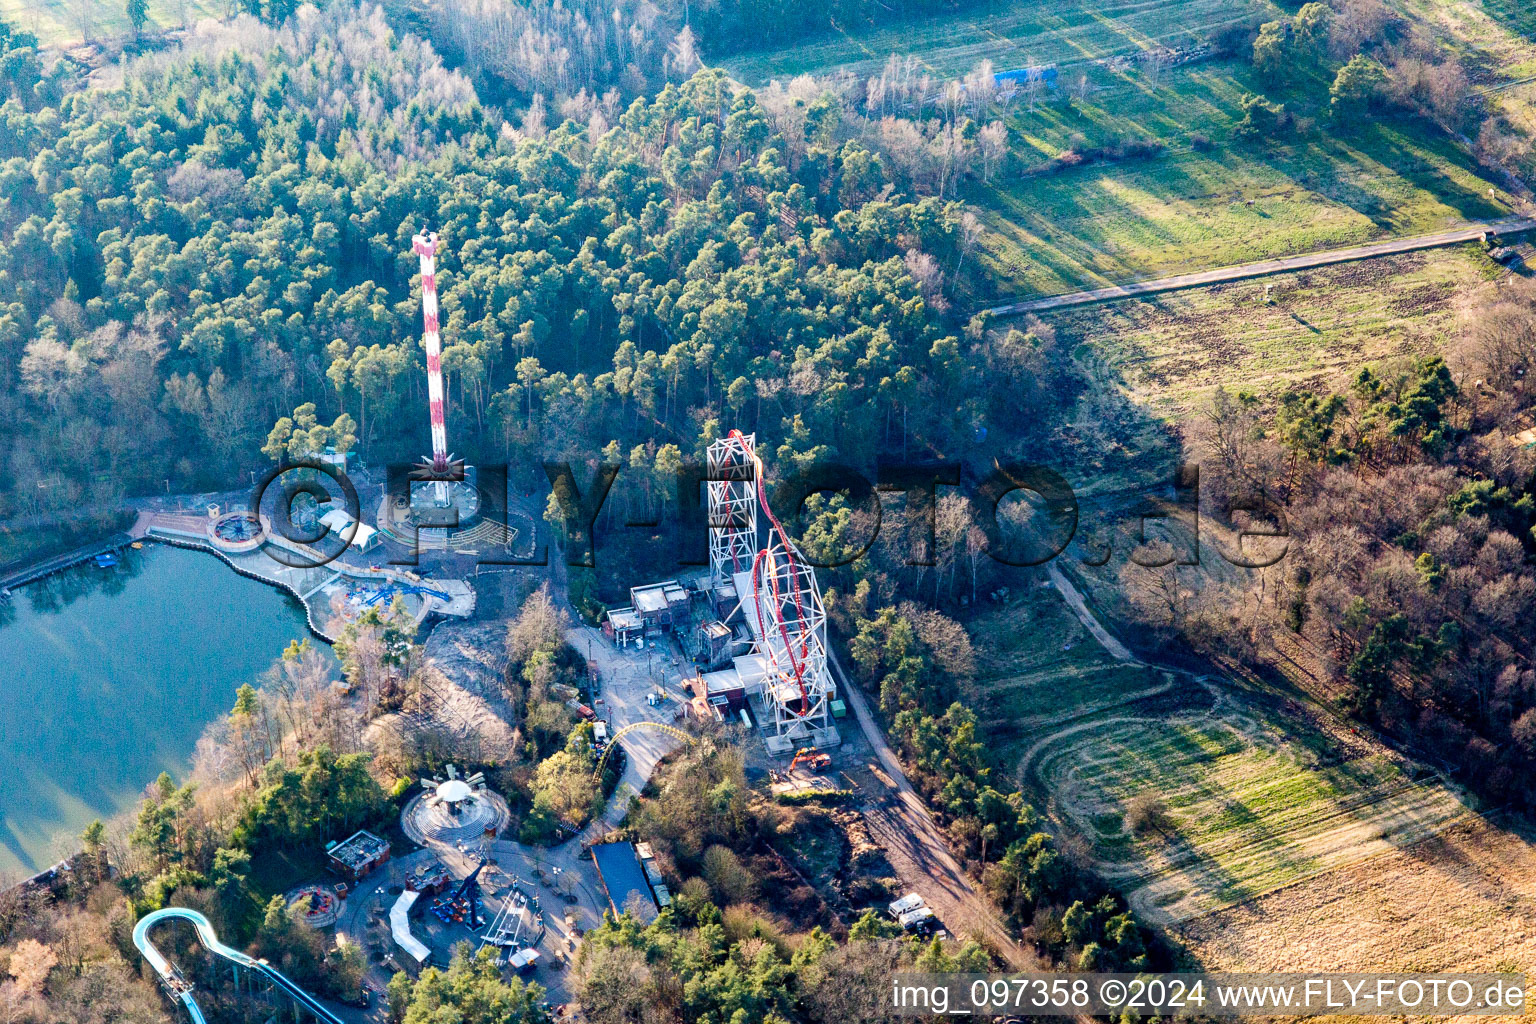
(256, 976)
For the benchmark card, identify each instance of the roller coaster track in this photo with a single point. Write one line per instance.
(597, 773)
(181, 989)
(797, 664)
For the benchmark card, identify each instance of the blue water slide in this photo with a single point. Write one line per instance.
(182, 990)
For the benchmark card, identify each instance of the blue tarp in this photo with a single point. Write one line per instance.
(1045, 74)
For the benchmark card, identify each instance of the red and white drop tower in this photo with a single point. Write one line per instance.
(425, 246)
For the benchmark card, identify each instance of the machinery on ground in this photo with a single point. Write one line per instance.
(811, 758)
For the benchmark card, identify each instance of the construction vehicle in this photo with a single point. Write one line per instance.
(812, 759)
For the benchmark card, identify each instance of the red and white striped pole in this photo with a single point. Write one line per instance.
(425, 246)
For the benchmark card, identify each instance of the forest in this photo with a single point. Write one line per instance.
(1414, 517)
(225, 238)
(208, 268)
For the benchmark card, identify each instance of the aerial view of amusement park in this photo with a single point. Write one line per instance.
(650, 512)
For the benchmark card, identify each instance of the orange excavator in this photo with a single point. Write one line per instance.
(812, 759)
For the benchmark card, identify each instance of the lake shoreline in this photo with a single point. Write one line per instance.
(119, 673)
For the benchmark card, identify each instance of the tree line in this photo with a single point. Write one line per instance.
(1410, 581)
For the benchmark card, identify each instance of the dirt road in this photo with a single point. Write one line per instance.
(1454, 236)
(1069, 593)
(917, 849)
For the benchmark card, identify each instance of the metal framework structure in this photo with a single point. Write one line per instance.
(780, 599)
(732, 489)
(613, 743)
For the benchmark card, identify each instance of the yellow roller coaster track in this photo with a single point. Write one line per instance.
(631, 727)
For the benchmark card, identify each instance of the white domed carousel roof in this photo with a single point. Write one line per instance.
(454, 791)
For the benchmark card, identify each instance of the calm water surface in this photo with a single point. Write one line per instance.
(107, 678)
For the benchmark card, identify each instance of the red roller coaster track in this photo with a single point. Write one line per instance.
(797, 663)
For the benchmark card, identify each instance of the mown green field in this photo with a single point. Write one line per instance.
(1248, 807)
(60, 22)
(1017, 34)
(1207, 199)
(1037, 666)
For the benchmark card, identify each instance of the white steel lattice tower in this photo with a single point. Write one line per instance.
(779, 596)
(425, 246)
(732, 492)
(791, 630)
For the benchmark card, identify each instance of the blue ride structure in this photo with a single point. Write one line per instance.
(181, 990)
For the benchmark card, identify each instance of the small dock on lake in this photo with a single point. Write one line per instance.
(68, 560)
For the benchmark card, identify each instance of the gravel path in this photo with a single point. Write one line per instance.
(1261, 268)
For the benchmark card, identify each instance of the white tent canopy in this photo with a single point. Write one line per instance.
(400, 927)
(363, 536)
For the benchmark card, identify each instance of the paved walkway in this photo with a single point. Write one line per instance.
(626, 675)
(1454, 236)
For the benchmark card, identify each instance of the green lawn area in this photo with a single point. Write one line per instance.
(1036, 665)
(1248, 808)
(1019, 34)
(58, 22)
(1028, 701)
(1208, 201)
(1516, 15)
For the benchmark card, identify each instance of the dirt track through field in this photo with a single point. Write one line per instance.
(916, 848)
(1242, 271)
(1253, 804)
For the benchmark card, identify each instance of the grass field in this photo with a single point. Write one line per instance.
(58, 22)
(1042, 667)
(1255, 798)
(1019, 34)
(1288, 839)
(1193, 208)
(1251, 805)
(1206, 200)
(1169, 352)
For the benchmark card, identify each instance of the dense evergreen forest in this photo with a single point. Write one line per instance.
(223, 236)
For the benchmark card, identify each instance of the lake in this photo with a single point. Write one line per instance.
(108, 677)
